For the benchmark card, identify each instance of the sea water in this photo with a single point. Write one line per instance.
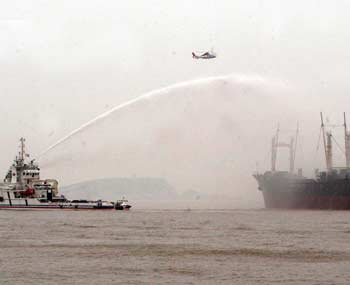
(175, 247)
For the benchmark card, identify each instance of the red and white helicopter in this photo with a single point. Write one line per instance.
(204, 55)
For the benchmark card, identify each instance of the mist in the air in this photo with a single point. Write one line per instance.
(63, 65)
(207, 136)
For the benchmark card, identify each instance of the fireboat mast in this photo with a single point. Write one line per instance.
(22, 152)
(20, 163)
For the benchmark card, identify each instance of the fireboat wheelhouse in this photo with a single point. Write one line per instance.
(23, 189)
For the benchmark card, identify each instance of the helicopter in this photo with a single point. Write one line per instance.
(204, 55)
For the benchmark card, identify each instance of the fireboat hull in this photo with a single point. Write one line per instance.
(54, 207)
(22, 189)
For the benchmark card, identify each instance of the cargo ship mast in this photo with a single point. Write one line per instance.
(274, 146)
(291, 146)
(347, 143)
(327, 142)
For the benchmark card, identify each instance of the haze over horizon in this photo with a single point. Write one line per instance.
(64, 63)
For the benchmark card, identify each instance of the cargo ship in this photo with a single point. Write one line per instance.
(23, 189)
(329, 189)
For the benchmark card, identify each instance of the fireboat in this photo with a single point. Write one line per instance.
(24, 189)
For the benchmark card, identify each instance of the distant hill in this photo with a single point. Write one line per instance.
(138, 188)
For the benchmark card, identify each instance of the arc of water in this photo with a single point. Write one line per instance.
(147, 95)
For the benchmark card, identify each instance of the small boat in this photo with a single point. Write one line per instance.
(24, 189)
(122, 204)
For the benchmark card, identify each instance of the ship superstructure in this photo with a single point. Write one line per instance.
(329, 189)
(24, 189)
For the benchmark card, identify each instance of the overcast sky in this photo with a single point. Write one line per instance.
(64, 62)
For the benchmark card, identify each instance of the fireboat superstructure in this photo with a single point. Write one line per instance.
(23, 189)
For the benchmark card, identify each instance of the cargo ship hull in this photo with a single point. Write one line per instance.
(303, 201)
(286, 191)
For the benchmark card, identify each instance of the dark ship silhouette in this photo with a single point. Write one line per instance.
(329, 189)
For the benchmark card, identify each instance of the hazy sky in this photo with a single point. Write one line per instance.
(64, 62)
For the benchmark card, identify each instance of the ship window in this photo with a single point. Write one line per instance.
(1, 199)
